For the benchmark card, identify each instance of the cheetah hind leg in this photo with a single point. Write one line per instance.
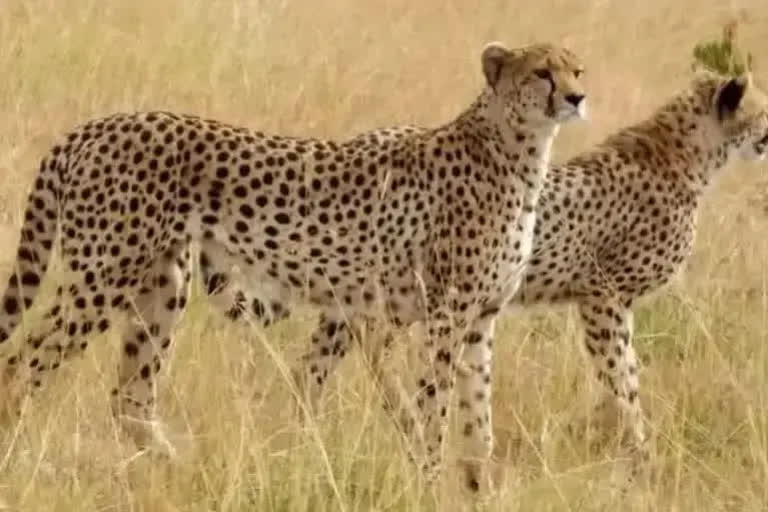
(60, 335)
(25, 371)
(157, 309)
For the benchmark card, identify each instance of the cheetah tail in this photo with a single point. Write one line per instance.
(38, 233)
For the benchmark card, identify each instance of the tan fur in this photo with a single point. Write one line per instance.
(433, 224)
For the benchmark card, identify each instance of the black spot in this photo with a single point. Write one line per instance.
(30, 279)
(473, 337)
(11, 305)
(103, 325)
(247, 211)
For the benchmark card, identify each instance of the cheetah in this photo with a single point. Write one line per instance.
(617, 222)
(433, 226)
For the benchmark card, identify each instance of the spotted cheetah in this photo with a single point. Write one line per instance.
(434, 226)
(618, 221)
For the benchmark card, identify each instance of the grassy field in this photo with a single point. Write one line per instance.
(332, 69)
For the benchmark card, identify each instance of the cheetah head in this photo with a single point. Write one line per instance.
(538, 84)
(740, 111)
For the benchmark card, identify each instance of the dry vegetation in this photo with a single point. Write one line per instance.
(332, 69)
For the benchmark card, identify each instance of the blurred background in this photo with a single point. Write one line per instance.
(333, 69)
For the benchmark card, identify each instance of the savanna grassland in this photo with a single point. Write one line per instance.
(332, 69)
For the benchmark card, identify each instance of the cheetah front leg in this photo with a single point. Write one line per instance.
(424, 424)
(474, 395)
(158, 307)
(467, 365)
(438, 352)
(609, 328)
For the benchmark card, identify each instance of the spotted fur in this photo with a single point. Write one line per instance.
(618, 221)
(468, 207)
(433, 224)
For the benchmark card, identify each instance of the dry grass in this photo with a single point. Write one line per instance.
(332, 69)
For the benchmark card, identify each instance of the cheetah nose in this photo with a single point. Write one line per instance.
(574, 99)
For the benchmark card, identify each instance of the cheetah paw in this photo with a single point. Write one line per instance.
(150, 436)
(477, 479)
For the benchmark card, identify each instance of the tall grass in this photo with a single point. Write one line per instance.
(332, 69)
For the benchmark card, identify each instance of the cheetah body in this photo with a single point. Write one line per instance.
(618, 221)
(433, 224)
(625, 212)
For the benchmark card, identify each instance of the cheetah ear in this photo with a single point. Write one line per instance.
(494, 57)
(730, 95)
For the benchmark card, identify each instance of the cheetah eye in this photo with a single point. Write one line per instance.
(544, 74)
(577, 73)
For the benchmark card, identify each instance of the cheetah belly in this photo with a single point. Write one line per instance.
(330, 268)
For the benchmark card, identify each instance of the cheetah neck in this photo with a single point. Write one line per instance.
(679, 150)
(711, 159)
(519, 145)
(700, 156)
(515, 143)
